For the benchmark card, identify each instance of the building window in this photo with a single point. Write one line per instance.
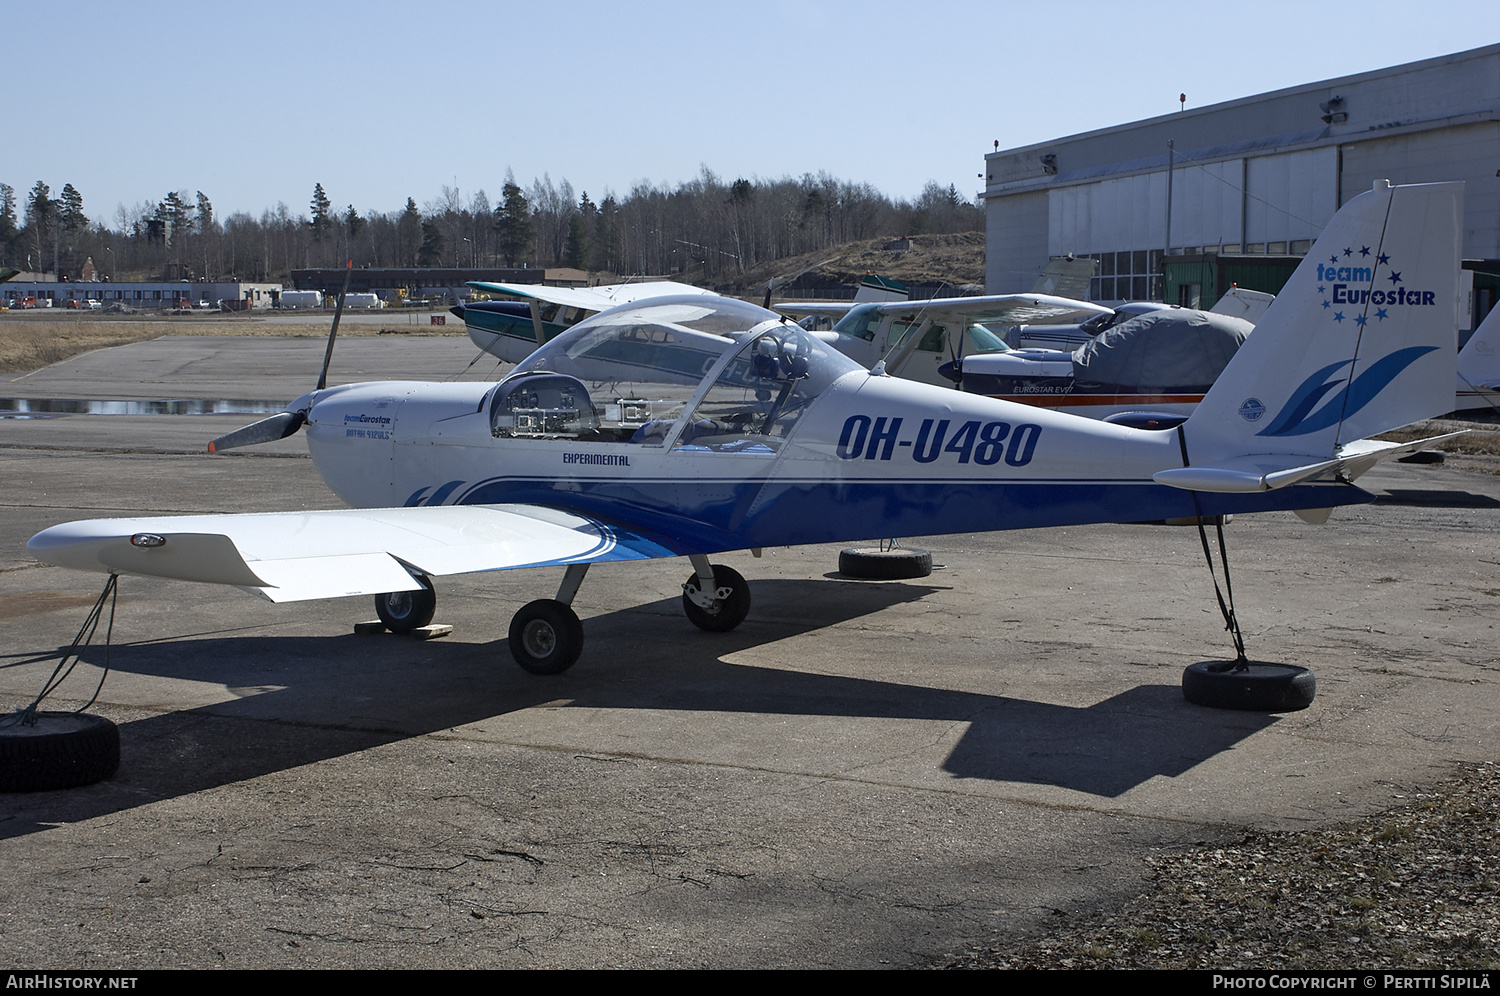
(1132, 275)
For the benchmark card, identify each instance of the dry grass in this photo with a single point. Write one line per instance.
(958, 259)
(30, 343)
(1481, 439)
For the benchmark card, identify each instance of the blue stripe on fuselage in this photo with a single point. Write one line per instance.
(700, 516)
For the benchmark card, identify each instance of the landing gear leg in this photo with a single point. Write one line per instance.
(716, 598)
(546, 636)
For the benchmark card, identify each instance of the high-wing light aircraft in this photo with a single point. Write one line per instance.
(512, 330)
(693, 425)
(916, 337)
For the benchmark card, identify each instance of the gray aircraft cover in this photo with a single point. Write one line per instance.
(1180, 351)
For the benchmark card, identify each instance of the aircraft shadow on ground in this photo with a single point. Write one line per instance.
(1418, 498)
(309, 699)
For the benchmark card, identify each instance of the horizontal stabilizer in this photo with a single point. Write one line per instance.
(1263, 473)
(1268, 472)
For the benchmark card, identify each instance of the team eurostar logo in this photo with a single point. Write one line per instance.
(1353, 283)
(1252, 410)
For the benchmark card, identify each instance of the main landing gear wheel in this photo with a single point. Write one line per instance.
(1255, 687)
(404, 611)
(875, 564)
(61, 750)
(730, 606)
(546, 637)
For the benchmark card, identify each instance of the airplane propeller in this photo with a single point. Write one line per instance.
(267, 430)
(286, 423)
(958, 358)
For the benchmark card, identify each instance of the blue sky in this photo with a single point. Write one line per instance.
(253, 104)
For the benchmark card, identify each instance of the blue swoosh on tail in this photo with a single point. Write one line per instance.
(1295, 421)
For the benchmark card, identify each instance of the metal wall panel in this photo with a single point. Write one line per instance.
(1123, 213)
(1291, 195)
(1464, 152)
(1206, 203)
(1015, 242)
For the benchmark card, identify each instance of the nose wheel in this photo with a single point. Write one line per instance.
(718, 608)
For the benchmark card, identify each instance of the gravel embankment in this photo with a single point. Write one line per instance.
(1411, 888)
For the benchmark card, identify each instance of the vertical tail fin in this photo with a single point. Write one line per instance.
(1362, 339)
(1479, 365)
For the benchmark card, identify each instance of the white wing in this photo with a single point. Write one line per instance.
(592, 298)
(1008, 309)
(289, 556)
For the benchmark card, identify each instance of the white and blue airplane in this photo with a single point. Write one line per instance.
(690, 426)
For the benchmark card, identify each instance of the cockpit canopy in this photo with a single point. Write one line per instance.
(633, 374)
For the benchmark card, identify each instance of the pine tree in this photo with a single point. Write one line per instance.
(607, 235)
(353, 222)
(322, 221)
(576, 249)
(8, 224)
(514, 225)
(204, 220)
(39, 204)
(173, 212)
(431, 251)
(41, 217)
(9, 229)
(70, 209)
(408, 234)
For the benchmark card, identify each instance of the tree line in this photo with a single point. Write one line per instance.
(705, 227)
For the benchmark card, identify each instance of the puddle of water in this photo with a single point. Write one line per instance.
(55, 407)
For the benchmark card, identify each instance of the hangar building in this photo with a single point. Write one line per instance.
(1252, 181)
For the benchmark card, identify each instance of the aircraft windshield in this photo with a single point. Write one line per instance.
(982, 340)
(862, 321)
(628, 374)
